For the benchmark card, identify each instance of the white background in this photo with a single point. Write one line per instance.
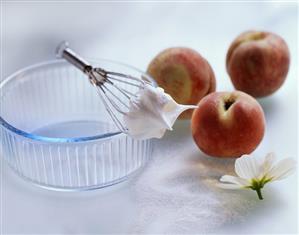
(134, 33)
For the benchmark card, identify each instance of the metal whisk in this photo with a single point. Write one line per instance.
(106, 83)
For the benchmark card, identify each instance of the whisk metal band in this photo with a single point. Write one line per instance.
(76, 60)
(63, 51)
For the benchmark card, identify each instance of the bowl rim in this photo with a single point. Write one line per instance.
(41, 138)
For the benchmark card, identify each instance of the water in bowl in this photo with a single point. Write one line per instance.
(74, 129)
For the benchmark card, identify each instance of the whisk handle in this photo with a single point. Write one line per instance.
(63, 51)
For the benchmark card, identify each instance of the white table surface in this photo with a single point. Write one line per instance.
(134, 33)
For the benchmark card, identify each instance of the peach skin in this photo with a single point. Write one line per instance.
(228, 124)
(258, 62)
(184, 74)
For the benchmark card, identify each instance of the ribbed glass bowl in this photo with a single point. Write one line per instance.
(56, 133)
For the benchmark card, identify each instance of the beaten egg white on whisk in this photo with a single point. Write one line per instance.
(152, 112)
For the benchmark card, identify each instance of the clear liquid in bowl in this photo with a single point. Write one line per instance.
(74, 129)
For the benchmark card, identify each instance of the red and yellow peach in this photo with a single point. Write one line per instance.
(184, 74)
(258, 62)
(228, 124)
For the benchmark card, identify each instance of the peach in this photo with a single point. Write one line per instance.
(184, 74)
(258, 62)
(228, 124)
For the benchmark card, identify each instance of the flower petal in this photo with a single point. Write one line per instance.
(247, 167)
(229, 186)
(282, 169)
(267, 165)
(234, 180)
(268, 162)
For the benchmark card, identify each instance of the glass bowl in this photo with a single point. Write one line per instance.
(56, 133)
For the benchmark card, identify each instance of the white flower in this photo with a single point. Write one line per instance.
(254, 174)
